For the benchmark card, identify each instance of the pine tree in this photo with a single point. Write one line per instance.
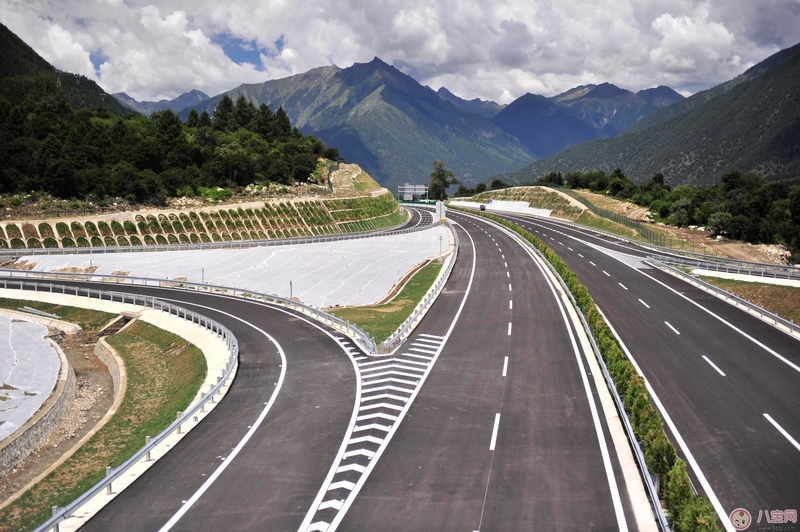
(223, 114)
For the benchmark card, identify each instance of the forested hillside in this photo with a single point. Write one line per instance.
(51, 147)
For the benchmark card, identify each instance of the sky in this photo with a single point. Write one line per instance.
(495, 50)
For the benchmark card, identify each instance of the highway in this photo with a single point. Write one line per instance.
(727, 382)
(495, 424)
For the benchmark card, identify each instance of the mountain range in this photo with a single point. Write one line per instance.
(751, 122)
(183, 101)
(395, 128)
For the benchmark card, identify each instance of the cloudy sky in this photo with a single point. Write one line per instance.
(495, 50)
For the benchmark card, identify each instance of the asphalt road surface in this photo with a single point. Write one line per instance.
(727, 382)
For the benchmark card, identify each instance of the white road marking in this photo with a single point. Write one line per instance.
(607, 274)
(509, 328)
(690, 459)
(713, 365)
(508, 274)
(780, 429)
(505, 367)
(569, 248)
(505, 264)
(510, 304)
(592, 263)
(673, 328)
(509, 287)
(623, 286)
(494, 431)
(643, 303)
(581, 256)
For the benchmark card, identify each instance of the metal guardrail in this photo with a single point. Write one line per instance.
(430, 296)
(652, 492)
(755, 269)
(234, 244)
(60, 514)
(792, 327)
(362, 338)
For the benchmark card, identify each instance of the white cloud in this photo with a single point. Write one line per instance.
(492, 50)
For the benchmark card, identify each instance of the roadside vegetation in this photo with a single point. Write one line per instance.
(742, 206)
(380, 321)
(687, 512)
(88, 320)
(783, 301)
(164, 375)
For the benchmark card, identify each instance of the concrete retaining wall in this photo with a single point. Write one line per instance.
(27, 440)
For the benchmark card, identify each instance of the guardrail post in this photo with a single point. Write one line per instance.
(146, 443)
(55, 512)
(178, 417)
(108, 486)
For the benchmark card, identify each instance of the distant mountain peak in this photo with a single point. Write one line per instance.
(606, 91)
(187, 99)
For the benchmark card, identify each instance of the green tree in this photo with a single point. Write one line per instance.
(243, 112)
(204, 120)
(193, 118)
(223, 115)
(441, 179)
(281, 124)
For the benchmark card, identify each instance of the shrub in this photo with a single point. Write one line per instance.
(104, 228)
(160, 240)
(136, 241)
(204, 238)
(122, 241)
(3, 243)
(96, 242)
(29, 231)
(50, 242)
(83, 242)
(110, 241)
(91, 229)
(34, 243)
(149, 240)
(17, 243)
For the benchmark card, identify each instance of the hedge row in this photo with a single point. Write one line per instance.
(687, 512)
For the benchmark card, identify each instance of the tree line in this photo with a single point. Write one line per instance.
(47, 145)
(742, 206)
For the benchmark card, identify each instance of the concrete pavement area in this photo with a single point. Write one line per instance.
(345, 273)
(29, 367)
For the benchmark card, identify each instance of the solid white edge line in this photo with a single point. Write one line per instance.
(229, 459)
(782, 431)
(494, 431)
(616, 498)
(714, 365)
(676, 331)
(505, 367)
(712, 497)
(354, 493)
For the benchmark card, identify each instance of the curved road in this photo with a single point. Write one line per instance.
(500, 429)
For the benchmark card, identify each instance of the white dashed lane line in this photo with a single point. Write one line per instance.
(607, 274)
(494, 431)
(505, 367)
(623, 286)
(713, 365)
(592, 263)
(780, 429)
(673, 328)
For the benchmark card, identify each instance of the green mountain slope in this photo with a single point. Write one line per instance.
(754, 125)
(25, 74)
(387, 122)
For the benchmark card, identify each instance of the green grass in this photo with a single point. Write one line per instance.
(783, 301)
(589, 219)
(164, 374)
(380, 321)
(88, 320)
